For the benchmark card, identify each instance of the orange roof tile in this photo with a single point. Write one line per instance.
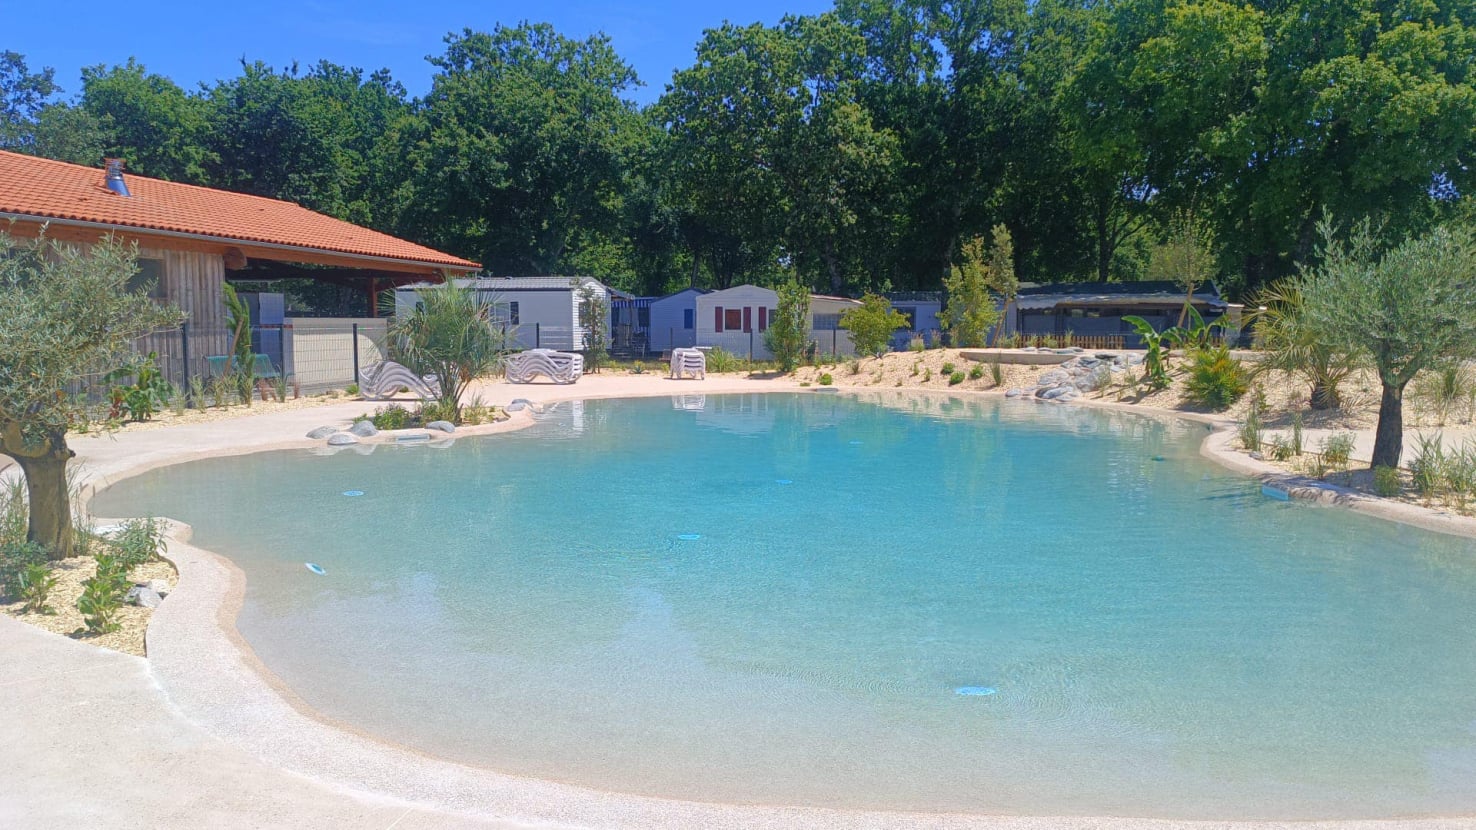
(36, 187)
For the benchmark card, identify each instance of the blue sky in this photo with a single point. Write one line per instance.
(193, 41)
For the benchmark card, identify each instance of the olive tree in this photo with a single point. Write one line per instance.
(69, 315)
(450, 334)
(1406, 309)
(872, 324)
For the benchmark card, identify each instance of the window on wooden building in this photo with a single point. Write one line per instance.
(151, 276)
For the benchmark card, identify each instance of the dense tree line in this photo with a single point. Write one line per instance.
(854, 150)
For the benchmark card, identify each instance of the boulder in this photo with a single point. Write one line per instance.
(143, 597)
(342, 439)
(1108, 356)
(1086, 360)
(1058, 393)
(1055, 377)
(1013, 393)
(441, 426)
(158, 586)
(321, 432)
(364, 429)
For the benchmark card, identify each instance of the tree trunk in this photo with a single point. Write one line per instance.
(51, 504)
(1389, 437)
(1104, 246)
(1324, 397)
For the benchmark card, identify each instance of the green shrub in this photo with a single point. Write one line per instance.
(1250, 428)
(1427, 469)
(393, 416)
(638, 368)
(436, 411)
(927, 375)
(137, 542)
(854, 365)
(14, 512)
(15, 558)
(1216, 380)
(721, 360)
(1296, 434)
(1337, 449)
(996, 372)
(351, 390)
(197, 392)
(915, 365)
(1386, 482)
(825, 379)
(956, 378)
(1281, 448)
(34, 584)
(102, 594)
(872, 323)
(947, 369)
(976, 371)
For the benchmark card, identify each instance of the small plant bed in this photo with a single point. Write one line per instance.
(77, 599)
(395, 416)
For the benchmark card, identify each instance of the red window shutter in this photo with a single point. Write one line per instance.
(717, 324)
(747, 318)
(763, 317)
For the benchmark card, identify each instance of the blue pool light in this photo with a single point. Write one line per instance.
(782, 481)
(975, 691)
(315, 568)
(689, 537)
(353, 492)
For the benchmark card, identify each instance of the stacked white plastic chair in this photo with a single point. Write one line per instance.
(388, 378)
(559, 367)
(688, 362)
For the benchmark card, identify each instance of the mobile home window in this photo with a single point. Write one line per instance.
(732, 319)
(826, 322)
(689, 317)
(150, 275)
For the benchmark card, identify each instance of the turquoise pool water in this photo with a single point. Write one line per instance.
(1161, 639)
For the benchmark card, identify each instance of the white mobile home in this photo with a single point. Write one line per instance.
(539, 312)
(736, 319)
(673, 320)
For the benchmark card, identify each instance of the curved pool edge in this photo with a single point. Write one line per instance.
(213, 678)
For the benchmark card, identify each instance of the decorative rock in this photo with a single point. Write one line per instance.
(322, 432)
(1056, 393)
(143, 597)
(442, 426)
(1013, 393)
(1257, 455)
(158, 586)
(341, 439)
(517, 405)
(364, 429)
(1087, 361)
(1108, 356)
(1055, 377)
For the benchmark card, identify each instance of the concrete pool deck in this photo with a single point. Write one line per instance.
(197, 735)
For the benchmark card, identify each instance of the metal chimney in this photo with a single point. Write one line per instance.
(114, 177)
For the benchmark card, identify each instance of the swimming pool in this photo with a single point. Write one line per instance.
(1159, 638)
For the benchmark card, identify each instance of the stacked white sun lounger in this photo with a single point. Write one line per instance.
(688, 362)
(559, 367)
(388, 378)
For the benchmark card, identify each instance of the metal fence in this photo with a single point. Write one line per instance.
(314, 354)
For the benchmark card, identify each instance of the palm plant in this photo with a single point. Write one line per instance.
(449, 334)
(1289, 343)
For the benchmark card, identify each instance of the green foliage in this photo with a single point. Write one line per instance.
(1216, 380)
(825, 379)
(1337, 450)
(970, 311)
(1445, 390)
(927, 374)
(102, 594)
(1250, 428)
(1185, 256)
(948, 367)
(594, 319)
(721, 360)
(976, 371)
(429, 411)
(1289, 343)
(1404, 310)
(1281, 448)
(956, 378)
(789, 329)
(1386, 482)
(996, 372)
(916, 344)
(872, 324)
(1427, 469)
(147, 395)
(12, 511)
(69, 316)
(16, 555)
(393, 416)
(34, 585)
(138, 541)
(1155, 360)
(448, 334)
(854, 366)
(1296, 433)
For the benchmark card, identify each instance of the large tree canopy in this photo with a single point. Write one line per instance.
(853, 150)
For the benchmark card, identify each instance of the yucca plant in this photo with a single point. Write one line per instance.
(1289, 343)
(449, 334)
